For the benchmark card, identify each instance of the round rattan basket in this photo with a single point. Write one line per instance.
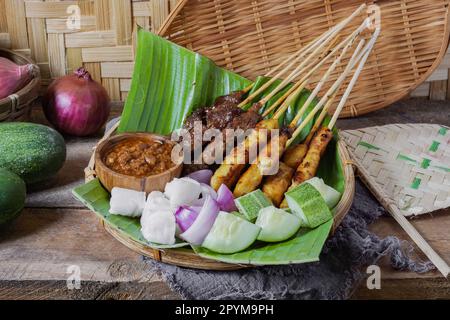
(184, 257)
(17, 107)
(252, 37)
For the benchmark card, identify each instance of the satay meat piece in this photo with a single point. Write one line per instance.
(253, 177)
(275, 186)
(228, 173)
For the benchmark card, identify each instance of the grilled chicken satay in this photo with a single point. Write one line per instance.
(228, 173)
(253, 177)
(275, 186)
(308, 168)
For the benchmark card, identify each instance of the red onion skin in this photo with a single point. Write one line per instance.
(76, 104)
(13, 77)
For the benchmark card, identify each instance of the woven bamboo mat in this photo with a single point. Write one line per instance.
(408, 163)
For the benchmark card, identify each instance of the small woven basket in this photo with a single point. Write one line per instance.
(17, 107)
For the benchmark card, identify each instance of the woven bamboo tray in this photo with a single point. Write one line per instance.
(406, 166)
(184, 257)
(17, 107)
(408, 163)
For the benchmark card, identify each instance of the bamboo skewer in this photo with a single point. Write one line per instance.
(316, 46)
(335, 87)
(302, 83)
(349, 41)
(354, 79)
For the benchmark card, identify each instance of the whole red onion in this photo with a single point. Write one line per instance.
(76, 104)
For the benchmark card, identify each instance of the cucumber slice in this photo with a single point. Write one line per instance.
(330, 195)
(276, 225)
(307, 203)
(250, 204)
(231, 234)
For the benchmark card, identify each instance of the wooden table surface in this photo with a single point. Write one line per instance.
(56, 232)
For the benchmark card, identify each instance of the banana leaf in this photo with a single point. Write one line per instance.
(305, 247)
(169, 82)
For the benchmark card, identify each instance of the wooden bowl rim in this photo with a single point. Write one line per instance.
(32, 85)
(99, 161)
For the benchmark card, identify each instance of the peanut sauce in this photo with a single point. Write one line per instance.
(140, 157)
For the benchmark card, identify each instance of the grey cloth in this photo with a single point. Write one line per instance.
(339, 271)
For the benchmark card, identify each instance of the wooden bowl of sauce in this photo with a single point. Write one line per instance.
(136, 161)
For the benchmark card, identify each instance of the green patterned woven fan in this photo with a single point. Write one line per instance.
(407, 167)
(410, 162)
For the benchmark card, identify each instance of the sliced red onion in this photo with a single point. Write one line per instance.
(225, 199)
(202, 176)
(186, 216)
(198, 231)
(208, 191)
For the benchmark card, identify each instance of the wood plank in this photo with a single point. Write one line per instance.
(407, 285)
(438, 90)
(74, 59)
(437, 75)
(422, 91)
(108, 54)
(125, 84)
(102, 14)
(38, 39)
(3, 24)
(37, 249)
(112, 86)
(160, 11)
